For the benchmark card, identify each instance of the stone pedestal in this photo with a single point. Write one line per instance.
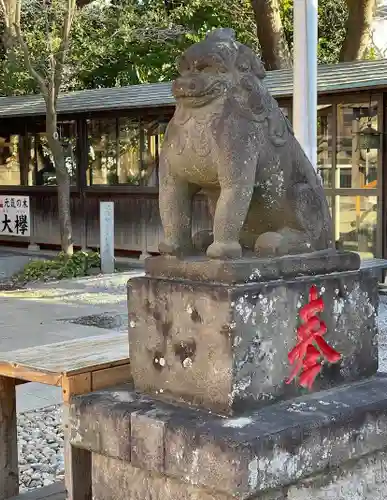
(327, 445)
(219, 334)
(209, 416)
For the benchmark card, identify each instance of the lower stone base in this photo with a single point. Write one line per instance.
(117, 480)
(364, 479)
(330, 445)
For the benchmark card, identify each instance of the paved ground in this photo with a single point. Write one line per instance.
(44, 313)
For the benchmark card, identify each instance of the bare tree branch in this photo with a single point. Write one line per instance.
(14, 39)
(28, 62)
(381, 52)
(9, 8)
(4, 10)
(64, 45)
(13, 36)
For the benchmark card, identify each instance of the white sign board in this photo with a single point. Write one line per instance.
(106, 227)
(15, 219)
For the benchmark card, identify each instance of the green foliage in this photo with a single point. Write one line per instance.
(124, 42)
(333, 16)
(41, 24)
(141, 40)
(78, 265)
(331, 27)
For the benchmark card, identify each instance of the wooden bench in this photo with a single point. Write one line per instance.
(77, 366)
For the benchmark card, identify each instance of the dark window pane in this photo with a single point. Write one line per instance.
(129, 160)
(125, 151)
(324, 144)
(10, 153)
(356, 223)
(153, 138)
(39, 167)
(102, 135)
(356, 165)
(139, 147)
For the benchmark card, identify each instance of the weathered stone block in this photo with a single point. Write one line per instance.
(106, 428)
(365, 479)
(117, 480)
(315, 446)
(251, 269)
(147, 440)
(225, 346)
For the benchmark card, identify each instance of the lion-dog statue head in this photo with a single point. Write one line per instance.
(212, 68)
(219, 68)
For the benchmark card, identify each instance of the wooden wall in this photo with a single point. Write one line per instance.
(137, 218)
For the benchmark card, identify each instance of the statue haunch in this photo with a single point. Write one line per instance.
(229, 139)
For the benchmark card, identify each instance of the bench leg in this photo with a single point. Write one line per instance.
(77, 466)
(9, 471)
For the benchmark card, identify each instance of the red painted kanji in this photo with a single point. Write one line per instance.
(311, 348)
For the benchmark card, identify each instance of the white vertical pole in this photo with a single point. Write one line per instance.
(305, 75)
(300, 83)
(106, 235)
(312, 29)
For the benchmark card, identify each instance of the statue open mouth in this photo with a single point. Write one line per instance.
(200, 96)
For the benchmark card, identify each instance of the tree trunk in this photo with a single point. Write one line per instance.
(63, 181)
(358, 29)
(83, 3)
(271, 36)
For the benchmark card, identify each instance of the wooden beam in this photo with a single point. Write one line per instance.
(109, 377)
(9, 472)
(77, 466)
(55, 491)
(74, 385)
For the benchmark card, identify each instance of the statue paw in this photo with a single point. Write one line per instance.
(166, 248)
(287, 241)
(218, 250)
(201, 240)
(268, 244)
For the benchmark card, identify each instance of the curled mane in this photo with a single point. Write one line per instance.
(255, 101)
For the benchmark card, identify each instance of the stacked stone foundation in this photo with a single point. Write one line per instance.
(329, 445)
(209, 415)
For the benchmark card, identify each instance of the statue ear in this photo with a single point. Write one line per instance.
(257, 66)
(248, 61)
(181, 64)
(225, 34)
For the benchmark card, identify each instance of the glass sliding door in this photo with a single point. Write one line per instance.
(355, 185)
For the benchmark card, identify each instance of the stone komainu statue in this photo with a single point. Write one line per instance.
(229, 139)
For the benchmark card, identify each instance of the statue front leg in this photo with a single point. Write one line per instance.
(175, 202)
(230, 214)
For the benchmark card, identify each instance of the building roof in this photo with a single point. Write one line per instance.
(335, 78)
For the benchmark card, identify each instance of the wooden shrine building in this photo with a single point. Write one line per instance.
(113, 138)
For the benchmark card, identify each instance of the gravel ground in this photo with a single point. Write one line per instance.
(40, 443)
(40, 433)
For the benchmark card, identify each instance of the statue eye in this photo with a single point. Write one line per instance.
(183, 64)
(202, 67)
(244, 67)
